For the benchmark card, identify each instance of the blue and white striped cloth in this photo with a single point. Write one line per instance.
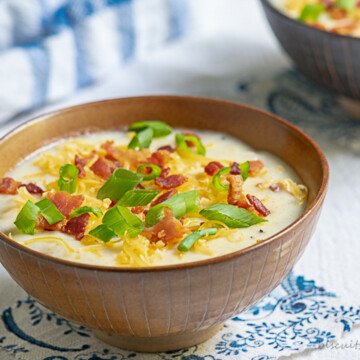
(50, 48)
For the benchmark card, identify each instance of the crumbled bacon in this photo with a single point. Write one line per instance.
(163, 197)
(103, 168)
(255, 167)
(65, 202)
(170, 182)
(135, 158)
(236, 195)
(274, 187)
(81, 162)
(213, 167)
(165, 172)
(167, 229)
(113, 203)
(76, 226)
(32, 188)
(43, 224)
(9, 186)
(138, 187)
(235, 169)
(258, 205)
(167, 148)
(337, 13)
(138, 209)
(159, 158)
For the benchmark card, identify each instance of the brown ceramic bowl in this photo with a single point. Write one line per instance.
(165, 307)
(329, 59)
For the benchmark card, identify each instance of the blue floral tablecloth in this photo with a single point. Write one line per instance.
(297, 315)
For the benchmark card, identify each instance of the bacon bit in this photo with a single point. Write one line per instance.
(146, 211)
(258, 205)
(167, 229)
(76, 226)
(167, 148)
(134, 157)
(165, 172)
(235, 169)
(337, 13)
(138, 209)
(163, 197)
(9, 186)
(236, 196)
(170, 182)
(112, 204)
(274, 187)
(255, 167)
(190, 143)
(116, 163)
(213, 167)
(138, 187)
(103, 168)
(159, 158)
(43, 224)
(65, 202)
(32, 188)
(81, 162)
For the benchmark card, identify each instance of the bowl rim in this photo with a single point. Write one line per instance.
(179, 266)
(271, 7)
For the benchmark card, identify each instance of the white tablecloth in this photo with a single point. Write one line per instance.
(233, 49)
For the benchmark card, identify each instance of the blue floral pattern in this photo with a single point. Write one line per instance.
(297, 315)
(290, 95)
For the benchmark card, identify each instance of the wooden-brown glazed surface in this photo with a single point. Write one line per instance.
(177, 305)
(329, 59)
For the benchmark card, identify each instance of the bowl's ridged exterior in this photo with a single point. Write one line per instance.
(160, 302)
(331, 60)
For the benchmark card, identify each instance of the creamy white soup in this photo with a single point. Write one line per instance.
(92, 199)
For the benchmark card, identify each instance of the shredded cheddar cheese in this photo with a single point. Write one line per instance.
(139, 250)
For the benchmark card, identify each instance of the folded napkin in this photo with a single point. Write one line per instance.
(50, 48)
(296, 316)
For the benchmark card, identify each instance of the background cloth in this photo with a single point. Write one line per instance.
(50, 48)
(233, 55)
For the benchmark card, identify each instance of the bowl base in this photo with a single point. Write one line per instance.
(157, 344)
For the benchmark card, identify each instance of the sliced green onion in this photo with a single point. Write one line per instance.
(103, 233)
(68, 177)
(137, 197)
(311, 12)
(190, 198)
(180, 205)
(26, 219)
(49, 211)
(142, 139)
(245, 167)
(155, 171)
(159, 128)
(120, 181)
(231, 215)
(85, 210)
(120, 219)
(181, 143)
(348, 5)
(191, 239)
(217, 179)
